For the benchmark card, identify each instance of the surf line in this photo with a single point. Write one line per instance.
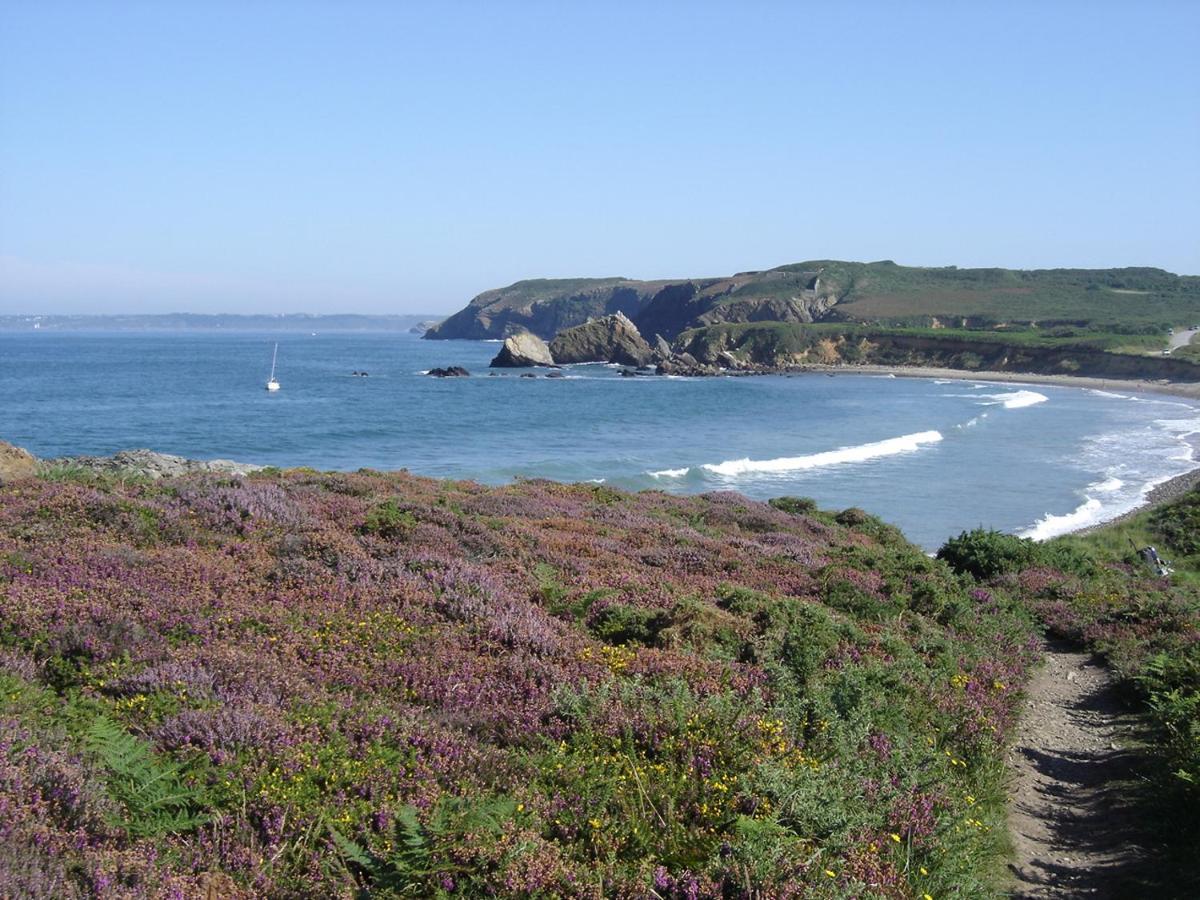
(861, 453)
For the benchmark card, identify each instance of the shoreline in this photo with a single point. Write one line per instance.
(1160, 494)
(1190, 390)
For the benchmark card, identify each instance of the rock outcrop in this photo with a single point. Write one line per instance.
(149, 464)
(544, 307)
(16, 463)
(449, 372)
(613, 339)
(523, 350)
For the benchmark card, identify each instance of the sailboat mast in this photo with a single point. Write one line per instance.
(274, 353)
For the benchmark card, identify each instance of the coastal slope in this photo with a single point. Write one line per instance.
(1122, 300)
(303, 684)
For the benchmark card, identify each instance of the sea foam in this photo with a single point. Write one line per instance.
(1008, 399)
(904, 444)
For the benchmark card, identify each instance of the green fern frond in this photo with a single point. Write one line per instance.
(152, 792)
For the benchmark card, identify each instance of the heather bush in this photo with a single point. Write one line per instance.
(321, 685)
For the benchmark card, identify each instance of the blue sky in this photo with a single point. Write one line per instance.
(402, 157)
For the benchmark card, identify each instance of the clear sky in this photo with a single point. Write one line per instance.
(260, 156)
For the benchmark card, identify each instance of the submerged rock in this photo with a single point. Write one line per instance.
(613, 339)
(522, 350)
(449, 372)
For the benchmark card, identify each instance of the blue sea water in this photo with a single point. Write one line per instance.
(933, 457)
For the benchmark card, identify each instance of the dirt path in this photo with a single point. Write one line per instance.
(1182, 338)
(1072, 828)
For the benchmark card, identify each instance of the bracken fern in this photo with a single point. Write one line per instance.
(153, 793)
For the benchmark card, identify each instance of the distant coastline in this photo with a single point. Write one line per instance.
(219, 322)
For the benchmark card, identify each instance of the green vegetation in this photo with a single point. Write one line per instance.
(1108, 300)
(1099, 591)
(353, 684)
(1127, 309)
(153, 794)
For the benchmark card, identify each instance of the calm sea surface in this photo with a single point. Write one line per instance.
(933, 457)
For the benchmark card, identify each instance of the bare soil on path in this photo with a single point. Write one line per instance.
(1075, 830)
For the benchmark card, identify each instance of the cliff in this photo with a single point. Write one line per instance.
(544, 307)
(776, 345)
(1128, 300)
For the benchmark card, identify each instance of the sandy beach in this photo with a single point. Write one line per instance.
(1190, 390)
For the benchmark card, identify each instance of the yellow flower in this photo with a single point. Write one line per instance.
(896, 838)
(831, 873)
(924, 871)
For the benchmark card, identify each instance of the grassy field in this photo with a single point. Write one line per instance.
(1107, 300)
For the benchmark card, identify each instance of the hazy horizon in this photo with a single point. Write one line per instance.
(381, 159)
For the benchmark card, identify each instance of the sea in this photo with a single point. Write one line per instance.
(932, 456)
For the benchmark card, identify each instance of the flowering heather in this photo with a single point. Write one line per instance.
(367, 682)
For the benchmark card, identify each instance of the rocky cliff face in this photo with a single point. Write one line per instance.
(778, 346)
(773, 296)
(548, 307)
(609, 339)
(544, 307)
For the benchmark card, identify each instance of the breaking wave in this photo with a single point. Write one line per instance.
(863, 452)
(1008, 399)
(670, 473)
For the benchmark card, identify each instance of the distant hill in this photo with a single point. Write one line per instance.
(1126, 300)
(218, 322)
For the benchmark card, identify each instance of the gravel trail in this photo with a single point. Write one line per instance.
(1073, 831)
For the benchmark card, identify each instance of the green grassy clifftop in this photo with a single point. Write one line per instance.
(1123, 300)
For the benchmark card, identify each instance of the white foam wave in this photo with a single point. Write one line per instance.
(1008, 399)
(669, 473)
(1107, 486)
(1100, 393)
(863, 452)
(1090, 512)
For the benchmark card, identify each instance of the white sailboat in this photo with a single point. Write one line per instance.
(272, 384)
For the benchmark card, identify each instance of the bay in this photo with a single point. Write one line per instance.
(933, 457)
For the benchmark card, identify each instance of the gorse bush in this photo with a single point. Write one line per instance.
(388, 520)
(986, 553)
(1179, 524)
